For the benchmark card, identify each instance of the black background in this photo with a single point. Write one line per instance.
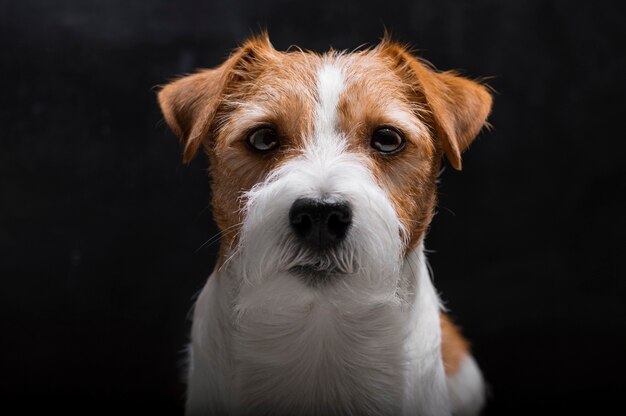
(100, 223)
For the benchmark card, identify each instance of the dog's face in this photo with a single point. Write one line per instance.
(324, 167)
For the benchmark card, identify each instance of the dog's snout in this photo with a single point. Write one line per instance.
(320, 224)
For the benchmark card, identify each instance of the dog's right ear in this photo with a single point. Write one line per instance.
(189, 104)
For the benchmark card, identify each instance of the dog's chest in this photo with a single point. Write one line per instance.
(321, 358)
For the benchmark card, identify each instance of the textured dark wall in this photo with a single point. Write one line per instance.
(100, 223)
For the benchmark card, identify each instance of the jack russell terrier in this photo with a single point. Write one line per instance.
(323, 171)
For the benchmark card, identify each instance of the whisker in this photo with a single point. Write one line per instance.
(446, 209)
(411, 221)
(202, 211)
(228, 259)
(217, 236)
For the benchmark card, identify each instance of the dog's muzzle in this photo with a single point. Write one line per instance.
(320, 225)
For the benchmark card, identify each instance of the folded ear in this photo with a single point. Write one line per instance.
(458, 105)
(189, 104)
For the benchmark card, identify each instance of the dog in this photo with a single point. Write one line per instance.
(323, 170)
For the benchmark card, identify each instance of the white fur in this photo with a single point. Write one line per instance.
(467, 389)
(290, 347)
(330, 85)
(367, 343)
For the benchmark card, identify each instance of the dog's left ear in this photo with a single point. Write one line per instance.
(189, 104)
(458, 105)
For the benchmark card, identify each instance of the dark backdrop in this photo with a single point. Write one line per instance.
(101, 224)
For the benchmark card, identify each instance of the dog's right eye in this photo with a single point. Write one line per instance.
(263, 139)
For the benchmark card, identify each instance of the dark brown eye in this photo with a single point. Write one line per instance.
(263, 139)
(387, 140)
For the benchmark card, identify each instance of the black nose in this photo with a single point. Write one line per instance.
(320, 224)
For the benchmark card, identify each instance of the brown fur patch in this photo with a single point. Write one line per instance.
(458, 106)
(454, 348)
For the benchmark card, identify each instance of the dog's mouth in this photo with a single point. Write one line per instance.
(313, 275)
(319, 267)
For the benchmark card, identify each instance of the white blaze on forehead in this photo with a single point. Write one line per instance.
(330, 85)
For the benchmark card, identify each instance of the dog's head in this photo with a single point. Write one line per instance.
(324, 167)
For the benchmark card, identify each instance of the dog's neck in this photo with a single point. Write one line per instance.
(318, 348)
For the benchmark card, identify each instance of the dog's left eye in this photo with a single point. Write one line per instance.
(387, 140)
(263, 139)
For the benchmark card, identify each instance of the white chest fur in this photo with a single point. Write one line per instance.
(286, 349)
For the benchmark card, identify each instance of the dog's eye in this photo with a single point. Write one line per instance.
(387, 140)
(263, 139)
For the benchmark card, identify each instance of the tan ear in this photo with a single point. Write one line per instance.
(459, 106)
(189, 104)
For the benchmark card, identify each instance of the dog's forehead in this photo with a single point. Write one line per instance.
(291, 88)
(303, 72)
